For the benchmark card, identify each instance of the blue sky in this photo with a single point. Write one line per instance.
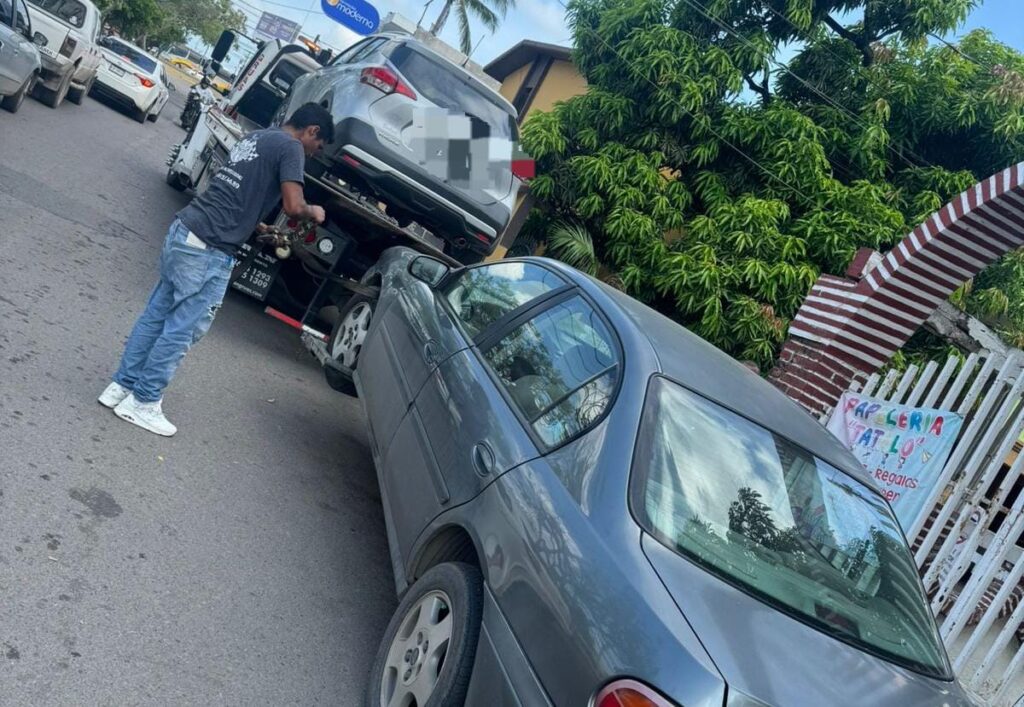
(544, 20)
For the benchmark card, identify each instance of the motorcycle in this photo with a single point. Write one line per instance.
(199, 97)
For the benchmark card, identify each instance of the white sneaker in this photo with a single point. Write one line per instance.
(148, 416)
(113, 395)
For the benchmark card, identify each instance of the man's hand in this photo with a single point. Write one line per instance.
(263, 229)
(295, 203)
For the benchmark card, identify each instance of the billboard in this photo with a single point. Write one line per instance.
(274, 27)
(358, 15)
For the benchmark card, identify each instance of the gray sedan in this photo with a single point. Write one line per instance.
(19, 58)
(588, 505)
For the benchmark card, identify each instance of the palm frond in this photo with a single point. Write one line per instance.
(502, 6)
(483, 13)
(572, 244)
(462, 16)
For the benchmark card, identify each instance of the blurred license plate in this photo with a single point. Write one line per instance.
(116, 70)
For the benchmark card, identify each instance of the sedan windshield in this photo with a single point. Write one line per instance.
(130, 53)
(781, 525)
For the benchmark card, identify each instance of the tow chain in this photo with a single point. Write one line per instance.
(283, 241)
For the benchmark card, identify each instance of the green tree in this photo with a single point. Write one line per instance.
(132, 18)
(715, 183)
(464, 10)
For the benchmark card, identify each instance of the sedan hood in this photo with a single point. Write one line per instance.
(768, 658)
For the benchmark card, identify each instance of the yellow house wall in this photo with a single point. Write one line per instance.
(562, 82)
(512, 82)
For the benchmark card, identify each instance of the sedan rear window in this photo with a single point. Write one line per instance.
(560, 369)
(483, 295)
(131, 54)
(781, 525)
(443, 87)
(71, 11)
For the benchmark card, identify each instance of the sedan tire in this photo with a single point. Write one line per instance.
(427, 653)
(12, 103)
(346, 341)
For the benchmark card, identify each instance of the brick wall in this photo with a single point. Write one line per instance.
(849, 327)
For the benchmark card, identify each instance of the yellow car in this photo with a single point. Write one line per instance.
(220, 85)
(183, 63)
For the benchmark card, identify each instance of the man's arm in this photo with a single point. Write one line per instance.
(295, 205)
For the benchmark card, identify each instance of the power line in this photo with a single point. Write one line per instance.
(714, 132)
(821, 94)
(960, 51)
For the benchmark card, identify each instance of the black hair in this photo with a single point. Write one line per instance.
(313, 114)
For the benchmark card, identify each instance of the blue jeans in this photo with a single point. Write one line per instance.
(179, 312)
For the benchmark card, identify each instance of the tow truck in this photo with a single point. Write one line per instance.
(314, 270)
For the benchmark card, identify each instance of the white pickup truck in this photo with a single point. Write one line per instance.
(71, 55)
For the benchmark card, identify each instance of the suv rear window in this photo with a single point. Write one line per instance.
(781, 525)
(71, 11)
(442, 86)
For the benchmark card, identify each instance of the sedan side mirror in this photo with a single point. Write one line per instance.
(429, 270)
(39, 39)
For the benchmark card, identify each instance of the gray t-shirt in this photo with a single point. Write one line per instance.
(244, 190)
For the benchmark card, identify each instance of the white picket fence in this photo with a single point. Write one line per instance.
(969, 540)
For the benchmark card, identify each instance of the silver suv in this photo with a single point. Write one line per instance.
(424, 135)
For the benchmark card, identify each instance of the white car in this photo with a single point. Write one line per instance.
(132, 77)
(70, 56)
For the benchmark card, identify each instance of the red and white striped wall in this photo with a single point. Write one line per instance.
(850, 327)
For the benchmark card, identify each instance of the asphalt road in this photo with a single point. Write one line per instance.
(241, 562)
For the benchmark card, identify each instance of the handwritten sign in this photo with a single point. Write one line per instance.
(903, 448)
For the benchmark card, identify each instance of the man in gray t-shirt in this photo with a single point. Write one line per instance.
(263, 168)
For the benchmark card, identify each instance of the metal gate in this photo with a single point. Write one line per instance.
(969, 546)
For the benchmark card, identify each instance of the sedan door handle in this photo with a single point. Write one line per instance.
(430, 353)
(483, 459)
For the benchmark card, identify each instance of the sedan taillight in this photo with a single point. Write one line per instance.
(145, 81)
(385, 80)
(68, 48)
(629, 693)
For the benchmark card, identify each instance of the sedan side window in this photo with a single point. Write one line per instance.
(483, 295)
(5, 12)
(560, 369)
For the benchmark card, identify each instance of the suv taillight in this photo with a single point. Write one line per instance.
(629, 693)
(68, 48)
(384, 79)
